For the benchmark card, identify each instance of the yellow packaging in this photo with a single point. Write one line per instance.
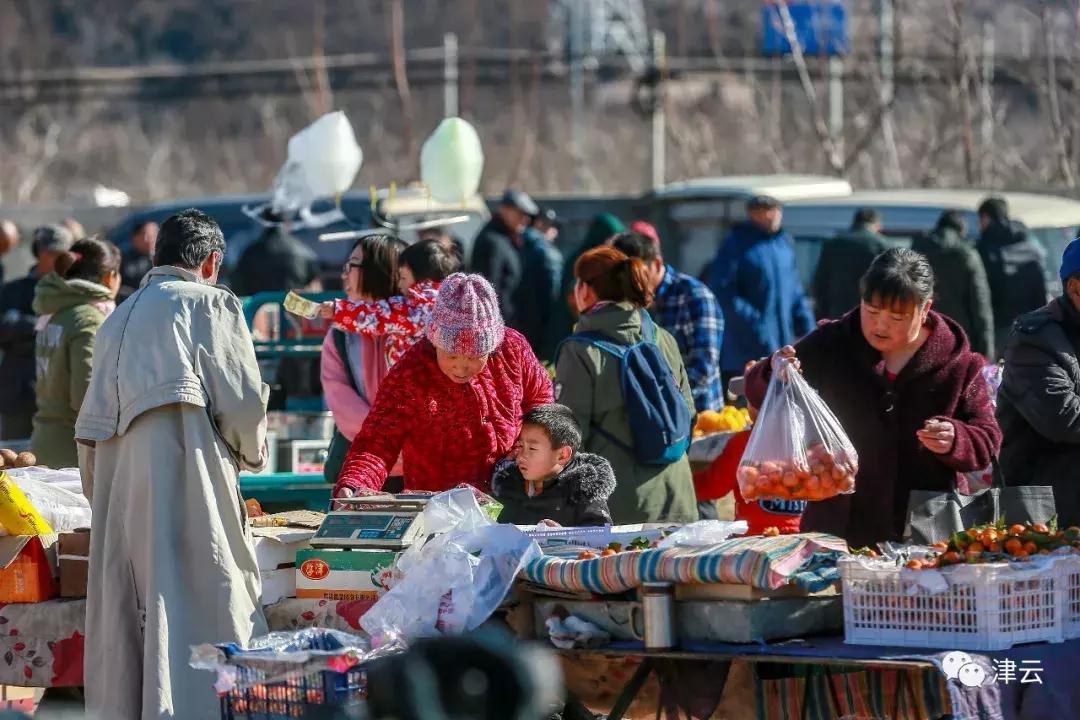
(18, 515)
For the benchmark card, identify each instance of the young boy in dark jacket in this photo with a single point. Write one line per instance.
(550, 480)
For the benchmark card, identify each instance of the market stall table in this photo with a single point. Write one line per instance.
(894, 682)
(42, 646)
(42, 643)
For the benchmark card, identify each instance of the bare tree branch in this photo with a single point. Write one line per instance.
(401, 78)
(962, 88)
(871, 131)
(323, 93)
(1062, 141)
(821, 127)
(50, 148)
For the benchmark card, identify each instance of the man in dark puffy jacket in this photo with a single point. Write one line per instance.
(1015, 266)
(495, 252)
(843, 262)
(960, 288)
(1039, 399)
(277, 261)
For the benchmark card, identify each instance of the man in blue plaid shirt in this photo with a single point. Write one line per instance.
(686, 308)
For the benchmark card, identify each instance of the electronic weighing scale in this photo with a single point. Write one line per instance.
(373, 522)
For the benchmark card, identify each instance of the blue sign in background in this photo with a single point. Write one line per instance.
(821, 28)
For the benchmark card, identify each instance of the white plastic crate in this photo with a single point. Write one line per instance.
(1069, 567)
(963, 607)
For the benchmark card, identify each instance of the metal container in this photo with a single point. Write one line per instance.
(301, 425)
(656, 626)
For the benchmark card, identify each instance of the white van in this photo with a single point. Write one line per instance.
(693, 216)
(1052, 220)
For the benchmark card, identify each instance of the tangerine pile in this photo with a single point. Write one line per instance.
(824, 476)
(996, 542)
(730, 419)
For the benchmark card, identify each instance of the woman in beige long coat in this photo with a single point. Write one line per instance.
(174, 409)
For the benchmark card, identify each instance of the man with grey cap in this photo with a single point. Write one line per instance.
(17, 320)
(756, 280)
(496, 252)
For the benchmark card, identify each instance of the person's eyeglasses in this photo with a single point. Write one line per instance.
(350, 266)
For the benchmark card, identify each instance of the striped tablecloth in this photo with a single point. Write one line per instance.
(807, 560)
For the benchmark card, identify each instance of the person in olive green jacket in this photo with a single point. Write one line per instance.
(611, 292)
(71, 303)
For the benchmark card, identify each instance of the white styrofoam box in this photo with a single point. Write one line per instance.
(275, 548)
(278, 585)
(990, 606)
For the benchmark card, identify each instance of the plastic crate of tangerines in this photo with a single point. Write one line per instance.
(1070, 581)
(987, 588)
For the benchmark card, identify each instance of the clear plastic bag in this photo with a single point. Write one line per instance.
(50, 492)
(704, 533)
(452, 510)
(452, 161)
(453, 586)
(798, 449)
(282, 656)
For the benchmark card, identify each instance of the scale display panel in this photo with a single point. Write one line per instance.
(368, 528)
(347, 525)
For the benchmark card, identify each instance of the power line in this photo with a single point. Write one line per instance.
(489, 66)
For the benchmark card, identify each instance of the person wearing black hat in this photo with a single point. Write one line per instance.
(756, 280)
(17, 320)
(495, 252)
(538, 290)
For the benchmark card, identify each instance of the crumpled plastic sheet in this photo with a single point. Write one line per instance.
(57, 496)
(283, 655)
(455, 581)
(704, 533)
(455, 509)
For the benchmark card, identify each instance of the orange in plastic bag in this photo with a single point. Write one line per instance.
(798, 449)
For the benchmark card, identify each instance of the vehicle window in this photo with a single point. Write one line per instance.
(697, 244)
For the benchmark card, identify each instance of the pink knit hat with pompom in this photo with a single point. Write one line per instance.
(466, 318)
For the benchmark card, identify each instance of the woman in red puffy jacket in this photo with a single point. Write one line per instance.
(452, 406)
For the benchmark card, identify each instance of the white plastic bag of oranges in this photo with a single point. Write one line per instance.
(798, 449)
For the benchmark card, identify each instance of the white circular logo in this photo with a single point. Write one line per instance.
(952, 663)
(972, 675)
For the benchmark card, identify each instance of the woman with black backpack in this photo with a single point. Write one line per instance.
(624, 378)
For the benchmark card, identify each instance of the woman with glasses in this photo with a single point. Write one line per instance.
(353, 366)
(908, 390)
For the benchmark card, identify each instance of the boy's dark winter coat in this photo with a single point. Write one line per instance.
(577, 496)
